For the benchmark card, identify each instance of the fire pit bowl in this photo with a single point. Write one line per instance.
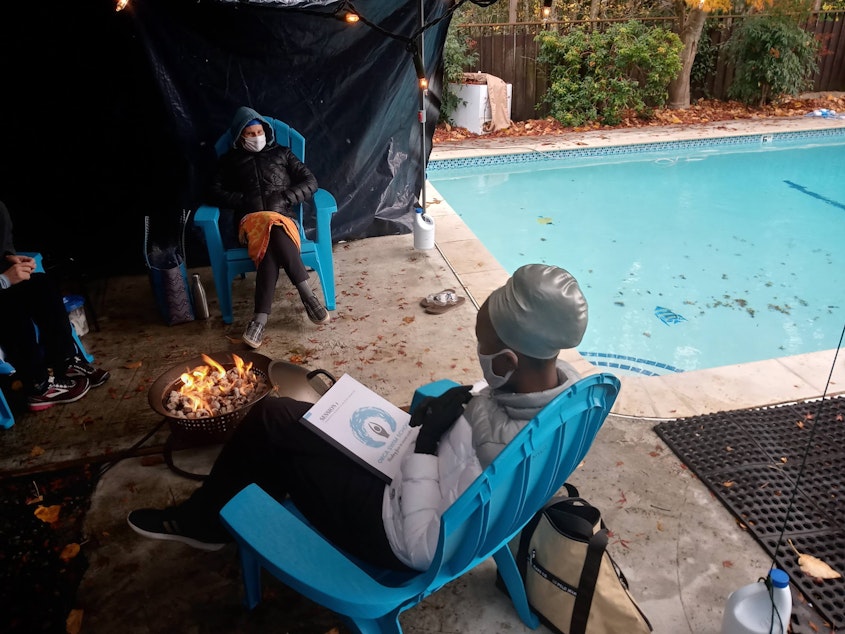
(222, 423)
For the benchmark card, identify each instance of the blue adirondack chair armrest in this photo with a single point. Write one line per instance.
(207, 218)
(435, 388)
(39, 260)
(325, 206)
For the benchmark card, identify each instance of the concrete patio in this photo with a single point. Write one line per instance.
(680, 549)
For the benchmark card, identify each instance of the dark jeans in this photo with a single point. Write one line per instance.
(281, 253)
(36, 301)
(272, 448)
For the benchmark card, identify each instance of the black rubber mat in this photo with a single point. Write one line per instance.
(751, 460)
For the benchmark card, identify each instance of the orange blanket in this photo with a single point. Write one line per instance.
(255, 232)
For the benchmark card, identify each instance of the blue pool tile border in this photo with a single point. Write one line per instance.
(634, 365)
(659, 146)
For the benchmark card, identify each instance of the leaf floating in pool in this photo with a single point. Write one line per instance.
(544, 220)
(667, 316)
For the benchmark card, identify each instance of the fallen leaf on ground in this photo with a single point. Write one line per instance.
(73, 623)
(48, 514)
(36, 451)
(813, 566)
(69, 552)
(132, 365)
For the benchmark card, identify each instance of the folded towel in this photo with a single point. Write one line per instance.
(255, 228)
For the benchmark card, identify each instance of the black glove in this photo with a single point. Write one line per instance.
(290, 197)
(437, 415)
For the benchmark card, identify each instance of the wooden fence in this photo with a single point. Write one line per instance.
(510, 51)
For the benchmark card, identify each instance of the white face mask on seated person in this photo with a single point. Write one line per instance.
(255, 143)
(495, 381)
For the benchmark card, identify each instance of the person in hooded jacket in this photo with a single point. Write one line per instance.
(260, 183)
(520, 329)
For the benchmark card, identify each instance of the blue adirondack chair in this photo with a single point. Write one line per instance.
(480, 523)
(226, 264)
(7, 419)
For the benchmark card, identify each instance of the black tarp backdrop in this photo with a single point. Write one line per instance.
(110, 116)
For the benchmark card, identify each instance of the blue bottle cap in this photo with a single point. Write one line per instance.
(779, 578)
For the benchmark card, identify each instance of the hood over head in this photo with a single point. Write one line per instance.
(243, 117)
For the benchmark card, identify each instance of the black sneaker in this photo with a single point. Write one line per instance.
(315, 310)
(254, 334)
(162, 524)
(80, 368)
(56, 390)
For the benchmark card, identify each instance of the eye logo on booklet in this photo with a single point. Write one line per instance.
(364, 425)
(372, 426)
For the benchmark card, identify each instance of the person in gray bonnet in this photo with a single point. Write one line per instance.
(520, 329)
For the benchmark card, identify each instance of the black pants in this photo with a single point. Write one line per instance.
(272, 448)
(35, 302)
(283, 253)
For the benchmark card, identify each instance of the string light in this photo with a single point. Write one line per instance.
(547, 8)
(121, 5)
(351, 18)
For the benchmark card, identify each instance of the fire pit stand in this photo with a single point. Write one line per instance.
(187, 433)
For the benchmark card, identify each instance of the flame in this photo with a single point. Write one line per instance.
(204, 384)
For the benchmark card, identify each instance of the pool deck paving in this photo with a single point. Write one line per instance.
(680, 549)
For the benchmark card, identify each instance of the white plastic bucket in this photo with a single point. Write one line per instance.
(423, 230)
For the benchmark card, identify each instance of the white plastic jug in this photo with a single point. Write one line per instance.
(423, 230)
(749, 610)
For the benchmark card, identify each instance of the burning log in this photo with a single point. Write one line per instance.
(211, 390)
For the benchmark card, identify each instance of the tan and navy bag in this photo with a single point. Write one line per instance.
(572, 583)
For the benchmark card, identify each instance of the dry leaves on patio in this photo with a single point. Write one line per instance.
(41, 520)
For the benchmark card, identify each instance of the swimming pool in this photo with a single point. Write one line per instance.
(692, 254)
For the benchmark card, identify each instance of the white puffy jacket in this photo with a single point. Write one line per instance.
(427, 485)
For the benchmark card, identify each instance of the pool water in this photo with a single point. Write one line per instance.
(689, 258)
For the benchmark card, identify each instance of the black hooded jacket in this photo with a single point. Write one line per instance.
(270, 180)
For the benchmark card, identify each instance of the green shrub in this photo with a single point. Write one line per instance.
(596, 76)
(772, 57)
(458, 56)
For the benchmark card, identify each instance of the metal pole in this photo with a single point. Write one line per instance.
(423, 92)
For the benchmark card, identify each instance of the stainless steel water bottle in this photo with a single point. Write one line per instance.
(198, 295)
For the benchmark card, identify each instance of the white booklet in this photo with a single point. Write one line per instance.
(363, 424)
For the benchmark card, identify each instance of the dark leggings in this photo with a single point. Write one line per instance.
(281, 253)
(272, 448)
(36, 301)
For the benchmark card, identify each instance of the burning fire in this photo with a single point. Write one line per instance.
(212, 390)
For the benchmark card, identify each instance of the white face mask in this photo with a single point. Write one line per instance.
(494, 380)
(255, 143)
